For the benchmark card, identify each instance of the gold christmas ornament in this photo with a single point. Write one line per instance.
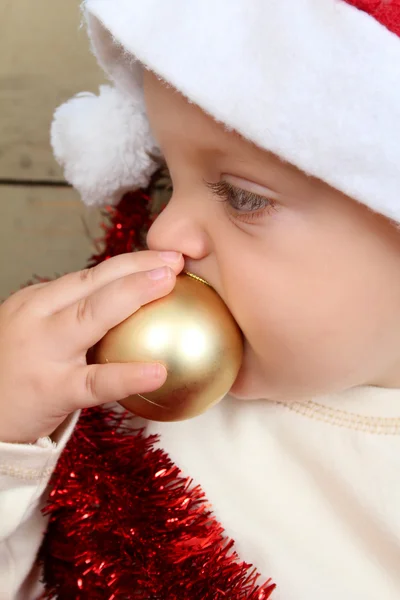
(191, 332)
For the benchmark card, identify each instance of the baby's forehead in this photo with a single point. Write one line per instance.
(191, 139)
(178, 122)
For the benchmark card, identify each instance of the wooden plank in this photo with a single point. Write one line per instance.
(44, 231)
(45, 59)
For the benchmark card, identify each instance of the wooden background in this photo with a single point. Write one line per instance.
(44, 60)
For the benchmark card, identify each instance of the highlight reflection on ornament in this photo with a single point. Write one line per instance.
(191, 332)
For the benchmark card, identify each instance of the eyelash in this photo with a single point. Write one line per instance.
(246, 205)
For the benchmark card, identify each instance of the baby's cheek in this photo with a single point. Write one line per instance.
(294, 323)
(293, 350)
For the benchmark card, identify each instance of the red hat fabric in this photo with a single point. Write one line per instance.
(387, 12)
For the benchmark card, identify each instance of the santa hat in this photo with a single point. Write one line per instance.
(316, 82)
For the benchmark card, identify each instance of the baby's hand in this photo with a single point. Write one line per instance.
(47, 329)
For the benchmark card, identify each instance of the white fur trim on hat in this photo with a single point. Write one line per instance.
(316, 82)
(104, 144)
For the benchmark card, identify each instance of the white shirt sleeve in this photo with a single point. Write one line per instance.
(25, 470)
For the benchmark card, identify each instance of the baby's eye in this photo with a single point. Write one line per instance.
(241, 201)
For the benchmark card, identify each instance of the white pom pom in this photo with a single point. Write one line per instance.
(104, 144)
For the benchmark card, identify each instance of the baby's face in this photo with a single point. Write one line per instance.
(311, 277)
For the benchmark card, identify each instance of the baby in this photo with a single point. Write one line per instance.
(286, 175)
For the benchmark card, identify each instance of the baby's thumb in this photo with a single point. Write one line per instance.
(100, 384)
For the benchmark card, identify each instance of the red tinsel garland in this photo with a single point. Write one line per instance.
(124, 522)
(127, 226)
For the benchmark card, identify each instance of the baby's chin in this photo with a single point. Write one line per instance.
(256, 380)
(249, 384)
(243, 390)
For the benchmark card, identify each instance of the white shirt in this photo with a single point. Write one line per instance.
(310, 492)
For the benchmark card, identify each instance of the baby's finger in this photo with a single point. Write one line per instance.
(100, 384)
(66, 290)
(84, 323)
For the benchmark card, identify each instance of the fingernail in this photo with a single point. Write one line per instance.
(154, 370)
(170, 257)
(161, 273)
